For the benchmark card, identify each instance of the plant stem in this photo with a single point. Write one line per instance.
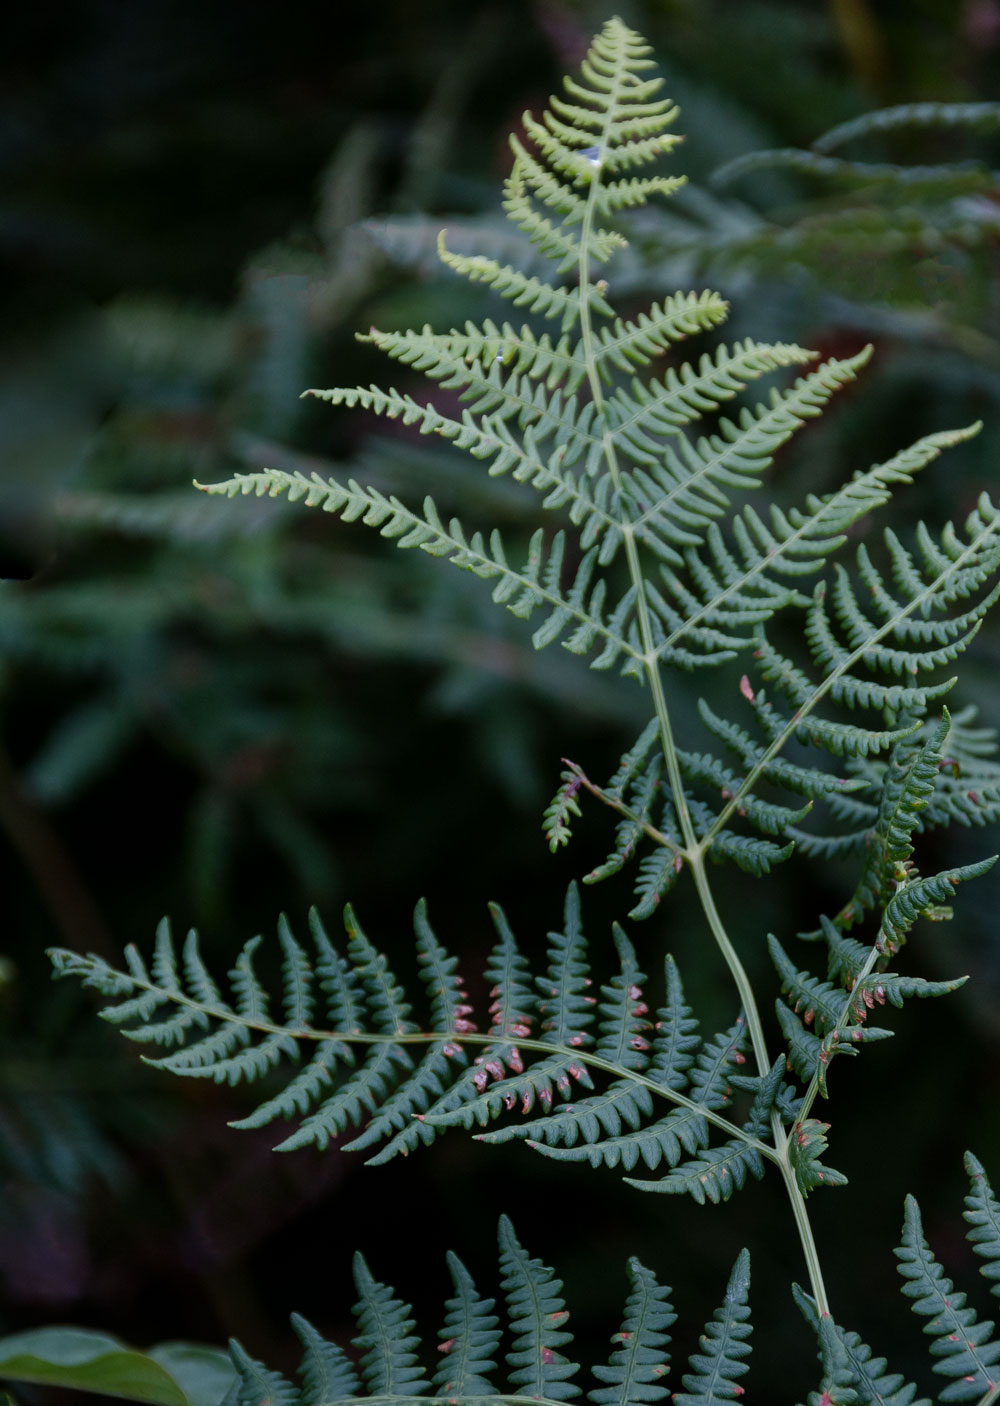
(693, 849)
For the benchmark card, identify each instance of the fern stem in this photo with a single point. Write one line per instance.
(755, 1028)
(804, 1227)
(693, 850)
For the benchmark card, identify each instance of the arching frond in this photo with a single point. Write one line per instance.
(350, 1054)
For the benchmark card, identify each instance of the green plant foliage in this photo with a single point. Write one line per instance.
(827, 661)
(536, 1320)
(172, 1374)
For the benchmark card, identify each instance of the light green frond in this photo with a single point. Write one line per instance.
(524, 290)
(579, 609)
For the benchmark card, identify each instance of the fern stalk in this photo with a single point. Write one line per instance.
(693, 851)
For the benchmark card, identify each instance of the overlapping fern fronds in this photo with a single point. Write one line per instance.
(606, 1082)
(534, 1322)
(661, 562)
(535, 1327)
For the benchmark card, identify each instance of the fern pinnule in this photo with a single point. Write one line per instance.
(639, 1363)
(327, 1372)
(964, 1347)
(724, 1346)
(470, 1339)
(536, 1313)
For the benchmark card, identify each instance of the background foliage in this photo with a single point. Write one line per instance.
(225, 710)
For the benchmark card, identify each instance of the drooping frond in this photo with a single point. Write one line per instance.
(979, 117)
(346, 1052)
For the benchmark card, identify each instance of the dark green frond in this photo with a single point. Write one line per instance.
(806, 1144)
(536, 1314)
(639, 1363)
(964, 1347)
(256, 1384)
(385, 1338)
(875, 1385)
(470, 1340)
(725, 1345)
(535, 1327)
(327, 1372)
(982, 1211)
(980, 117)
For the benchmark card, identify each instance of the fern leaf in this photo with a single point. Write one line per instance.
(923, 899)
(724, 1346)
(386, 1341)
(586, 1120)
(966, 1354)
(364, 1091)
(565, 1010)
(327, 1372)
(640, 1361)
(713, 1176)
(875, 1385)
(806, 1144)
(676, 1034)
(521, 289)
(256, 1384)
(536, 1315)
(982, 1211)
(470, 1340)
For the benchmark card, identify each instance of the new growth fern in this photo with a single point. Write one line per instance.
(833, 741)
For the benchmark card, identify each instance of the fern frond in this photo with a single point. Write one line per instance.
(877, 1386)
(536, 1326)
(386, 1340)
(724, 1346)
(470, 1339)
(537, 583)
(523, 290)
(377, 1071)
(327, 1372)
(806, 1144)
(979, 117)
(536, 1314)
(639, 1363)
(982, 1211)
(256, 1384)
(966, 1351)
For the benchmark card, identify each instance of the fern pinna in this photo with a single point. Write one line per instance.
(839, 745)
